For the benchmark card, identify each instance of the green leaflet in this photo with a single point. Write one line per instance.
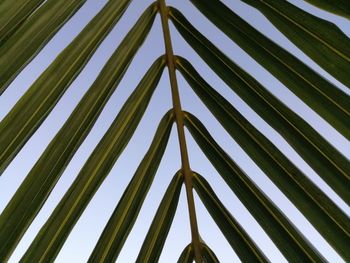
(324, 98)
(13, 14)
(187, 255)
(341, 7)
(288, 239)
(325, 216)
(331, 165)
(48, 169)
(32, 36)
(156, 236)
(208, 255)
(34, 106)
(51, 237)
(239, 240)
(120, 224)
(319, 39)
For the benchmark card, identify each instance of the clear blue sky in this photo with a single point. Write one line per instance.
(85, 234)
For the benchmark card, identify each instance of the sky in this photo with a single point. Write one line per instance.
(86, 232)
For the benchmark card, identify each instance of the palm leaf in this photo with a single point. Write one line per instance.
(125, 214)
(291, 243)
(311, 34)
(43, 95)
(71, 135)
(325, 216)
(323, 97)
(89, 178)
(27, 26)
(53, 234)
(25, 43)
(62, 148)
(235, 235)
(156, 236)
(331, 165)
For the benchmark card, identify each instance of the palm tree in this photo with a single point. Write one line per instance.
(27, 26)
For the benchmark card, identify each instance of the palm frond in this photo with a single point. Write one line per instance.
(318, 93)
(27, 26)
(17, 216)
(292, 244)
(324, 214)
(331, 165)
(125, 214)
(34, 106)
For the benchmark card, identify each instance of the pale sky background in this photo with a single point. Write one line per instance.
(88, 229)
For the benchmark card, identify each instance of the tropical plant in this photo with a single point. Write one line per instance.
(27, 26)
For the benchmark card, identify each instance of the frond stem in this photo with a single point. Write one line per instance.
(180, 130)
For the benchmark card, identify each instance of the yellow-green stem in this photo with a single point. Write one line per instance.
(180, 131)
